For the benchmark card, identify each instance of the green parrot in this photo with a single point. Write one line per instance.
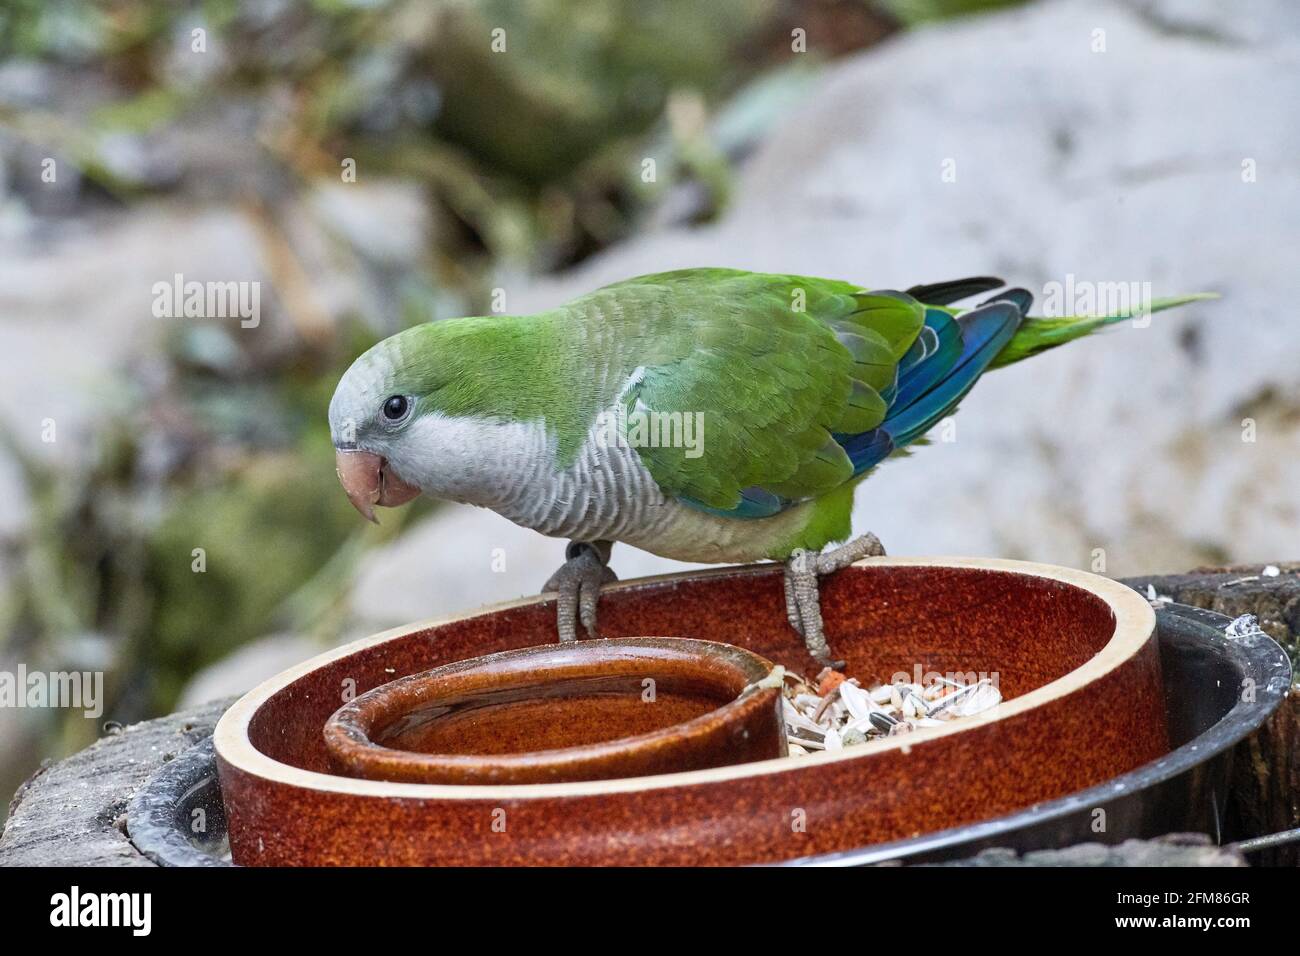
(710, 415)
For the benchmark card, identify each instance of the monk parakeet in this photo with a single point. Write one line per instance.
(709, 415)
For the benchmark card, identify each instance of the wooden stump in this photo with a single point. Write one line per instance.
(1265, 795)
(73, 813)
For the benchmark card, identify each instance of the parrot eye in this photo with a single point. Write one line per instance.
(396, 407)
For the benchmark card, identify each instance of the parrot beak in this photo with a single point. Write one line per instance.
(369, 481)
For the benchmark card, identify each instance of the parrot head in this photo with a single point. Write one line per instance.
(374, 407)
(431, 410)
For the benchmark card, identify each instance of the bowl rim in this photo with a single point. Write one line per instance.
(1135, 623)
(356, 741)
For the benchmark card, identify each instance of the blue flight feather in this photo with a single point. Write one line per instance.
(985, 332)
(918, 378)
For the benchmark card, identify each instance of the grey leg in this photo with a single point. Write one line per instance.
(802, 596)
(578, 583)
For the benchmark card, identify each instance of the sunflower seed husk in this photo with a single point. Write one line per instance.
(983, 698)
(883, 722)
(881, 694)
(955, 697)
(774, 679)
(856, 700)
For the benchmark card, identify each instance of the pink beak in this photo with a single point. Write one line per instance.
(369, 481)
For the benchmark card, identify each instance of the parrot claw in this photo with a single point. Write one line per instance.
(577, 584)
(802, 596)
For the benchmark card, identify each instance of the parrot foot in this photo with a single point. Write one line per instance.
(578, 583)
(802, 595)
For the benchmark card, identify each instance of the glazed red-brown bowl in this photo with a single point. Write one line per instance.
(589, 710)
(1074, 655)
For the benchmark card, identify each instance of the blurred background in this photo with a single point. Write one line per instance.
(169, 513)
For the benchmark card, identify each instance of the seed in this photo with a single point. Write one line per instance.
(856, 700)
(883, 722)
(848, 715)
(956, 697)
(851, 737)
(826, 702)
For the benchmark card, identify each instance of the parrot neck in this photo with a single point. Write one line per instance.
(481, 461)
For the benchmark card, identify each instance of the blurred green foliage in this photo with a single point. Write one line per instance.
(913, 12)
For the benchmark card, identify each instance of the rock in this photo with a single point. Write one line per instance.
(384, 221)
(246, 667)
(80, 297)
(461, 558)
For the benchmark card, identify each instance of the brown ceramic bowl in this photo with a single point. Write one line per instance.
(1075, 656)
(591, 710)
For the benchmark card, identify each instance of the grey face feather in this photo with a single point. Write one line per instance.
(355, 410)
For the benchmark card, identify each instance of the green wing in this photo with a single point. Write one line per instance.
(776, 366)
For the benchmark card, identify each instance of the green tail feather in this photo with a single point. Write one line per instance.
(1039, 335)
